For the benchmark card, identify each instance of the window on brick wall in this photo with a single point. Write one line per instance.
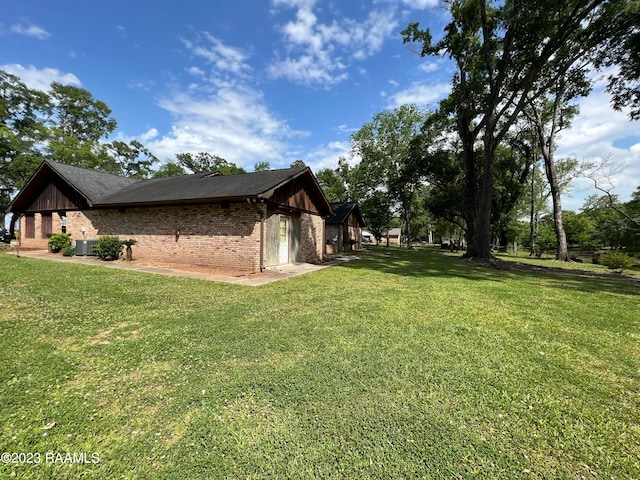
(29, 226)
(47, 225)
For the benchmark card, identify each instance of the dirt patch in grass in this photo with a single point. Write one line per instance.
(105, 337)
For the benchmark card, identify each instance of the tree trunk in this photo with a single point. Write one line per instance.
(483, 224)
(547, 147)
(407, 220)
(470, 188)
(535, 227)
(533, 220)
(503, 236)
(562, 250)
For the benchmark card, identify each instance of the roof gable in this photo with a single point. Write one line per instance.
(66, 186)
(103, 190)
(343, 210)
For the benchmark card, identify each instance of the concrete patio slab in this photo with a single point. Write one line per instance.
(270, 275)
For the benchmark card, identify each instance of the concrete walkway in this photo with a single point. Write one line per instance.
(271, 274)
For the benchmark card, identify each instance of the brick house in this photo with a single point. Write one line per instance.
(394, 236)
(242, 222)
(343, 226)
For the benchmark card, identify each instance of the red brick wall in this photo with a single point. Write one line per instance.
(200, 234)
(311, 238)
(38, 242)
(208, 234)
(76, 222)
(332, 231)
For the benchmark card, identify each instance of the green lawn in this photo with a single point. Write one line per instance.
(398, 365)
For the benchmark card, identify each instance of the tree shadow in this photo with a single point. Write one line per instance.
(572, 278)
(420, 263)
(431, 262)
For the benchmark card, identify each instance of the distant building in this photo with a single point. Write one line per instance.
(344, 228)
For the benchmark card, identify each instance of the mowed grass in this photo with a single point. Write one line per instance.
(397, 365)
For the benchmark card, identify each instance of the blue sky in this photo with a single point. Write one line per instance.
(262, 80)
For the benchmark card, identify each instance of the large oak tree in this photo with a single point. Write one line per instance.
(506, 54)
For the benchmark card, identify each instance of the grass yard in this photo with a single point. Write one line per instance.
(399, 365)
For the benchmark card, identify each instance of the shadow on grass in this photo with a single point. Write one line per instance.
(421, 263)
(432, 262)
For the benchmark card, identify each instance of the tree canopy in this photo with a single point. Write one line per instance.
(206, 162)
(332, 185)
(64, 123)
(388, 176)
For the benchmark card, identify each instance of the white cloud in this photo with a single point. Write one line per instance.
(421, 4)
(234, 123)
(420, 94)
(319, 53)
(308, 69)
(225, 61)
(301, 32)
(148, 135)
(370, 35)
(411, 4)
(327, 156)
(30, 31)
(345, 129)
(40, 79)
(294, 3)
(595, 136)
(429, 67)
(219, 110)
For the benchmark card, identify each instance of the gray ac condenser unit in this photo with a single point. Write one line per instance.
(85, 247)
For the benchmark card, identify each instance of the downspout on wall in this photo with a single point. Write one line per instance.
(261, 212)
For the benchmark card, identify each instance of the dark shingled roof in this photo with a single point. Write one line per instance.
(104, 190)
(343, 210)
(201, 187)
(92, 184)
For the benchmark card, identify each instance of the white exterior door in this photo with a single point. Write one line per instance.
(284, 240)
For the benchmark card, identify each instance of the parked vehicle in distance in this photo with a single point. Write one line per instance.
(5, 236)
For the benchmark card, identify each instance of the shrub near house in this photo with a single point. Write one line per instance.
(108, 248)
(59, 241)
